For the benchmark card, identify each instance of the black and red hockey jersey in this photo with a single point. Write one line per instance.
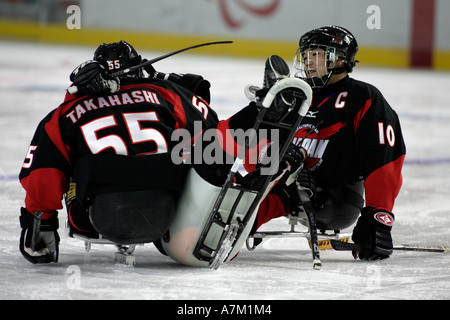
(350, 133)
(136, 121)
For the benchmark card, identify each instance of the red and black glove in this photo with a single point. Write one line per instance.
(373, 234)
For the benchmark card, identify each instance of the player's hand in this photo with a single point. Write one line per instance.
(92, 78)
(283, 102)
(39, 240)
(373, 234)
(305, 181)
(286, 187)
(295, 156)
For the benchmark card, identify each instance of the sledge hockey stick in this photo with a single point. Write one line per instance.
(309, 210)
(74, 89)
(149, 62)
(347, 246)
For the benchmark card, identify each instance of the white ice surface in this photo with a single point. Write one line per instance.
(33, 78)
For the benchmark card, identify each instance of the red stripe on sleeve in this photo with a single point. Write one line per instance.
(227, 142)
(383, 185)
(175, 100)
(252, 156)
(361, 114)
(45, 188)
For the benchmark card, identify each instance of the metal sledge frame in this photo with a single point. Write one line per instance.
(123, 255)
(292, 233)
(232, 231)
(312, 235)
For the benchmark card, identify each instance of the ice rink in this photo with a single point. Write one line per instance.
(33, 78)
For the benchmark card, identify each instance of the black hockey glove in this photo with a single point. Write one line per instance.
(283, 102)
(286, 188)
(39, 240)
(92, 78)
(193, 82)
(305, 181)
(373, 234)
(295, 156)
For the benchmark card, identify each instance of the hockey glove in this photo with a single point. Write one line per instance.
(192, 82)
(295, 156)
(305, 181)
(39, 240)
(92, 78)
(373, 234)
(283, 103)
(286, 188)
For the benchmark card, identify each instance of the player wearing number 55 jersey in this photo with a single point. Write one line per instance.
(354, 145)
(115, 144)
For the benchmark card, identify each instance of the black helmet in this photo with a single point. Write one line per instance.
(118, 56)
(338, 44)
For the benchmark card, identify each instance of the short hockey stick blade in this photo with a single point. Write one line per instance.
(347, 246)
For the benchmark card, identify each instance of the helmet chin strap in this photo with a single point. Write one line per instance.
(323, 81)
(338, 70)
(317, 83)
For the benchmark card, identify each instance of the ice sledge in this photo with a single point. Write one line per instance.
(212, 223)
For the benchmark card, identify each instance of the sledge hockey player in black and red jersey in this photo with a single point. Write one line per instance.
(354, 146)
(98, 139)
(108, 150)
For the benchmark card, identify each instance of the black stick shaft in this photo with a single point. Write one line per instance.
(346, 246)
(146, 63)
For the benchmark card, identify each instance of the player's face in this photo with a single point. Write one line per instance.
(315, 62)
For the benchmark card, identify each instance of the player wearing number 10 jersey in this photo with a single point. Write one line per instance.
(354, 146)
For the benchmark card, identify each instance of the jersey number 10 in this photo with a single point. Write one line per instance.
(386, 135)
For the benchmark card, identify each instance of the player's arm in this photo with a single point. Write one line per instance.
(382, 150)
(91, 77)
(43, 176)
